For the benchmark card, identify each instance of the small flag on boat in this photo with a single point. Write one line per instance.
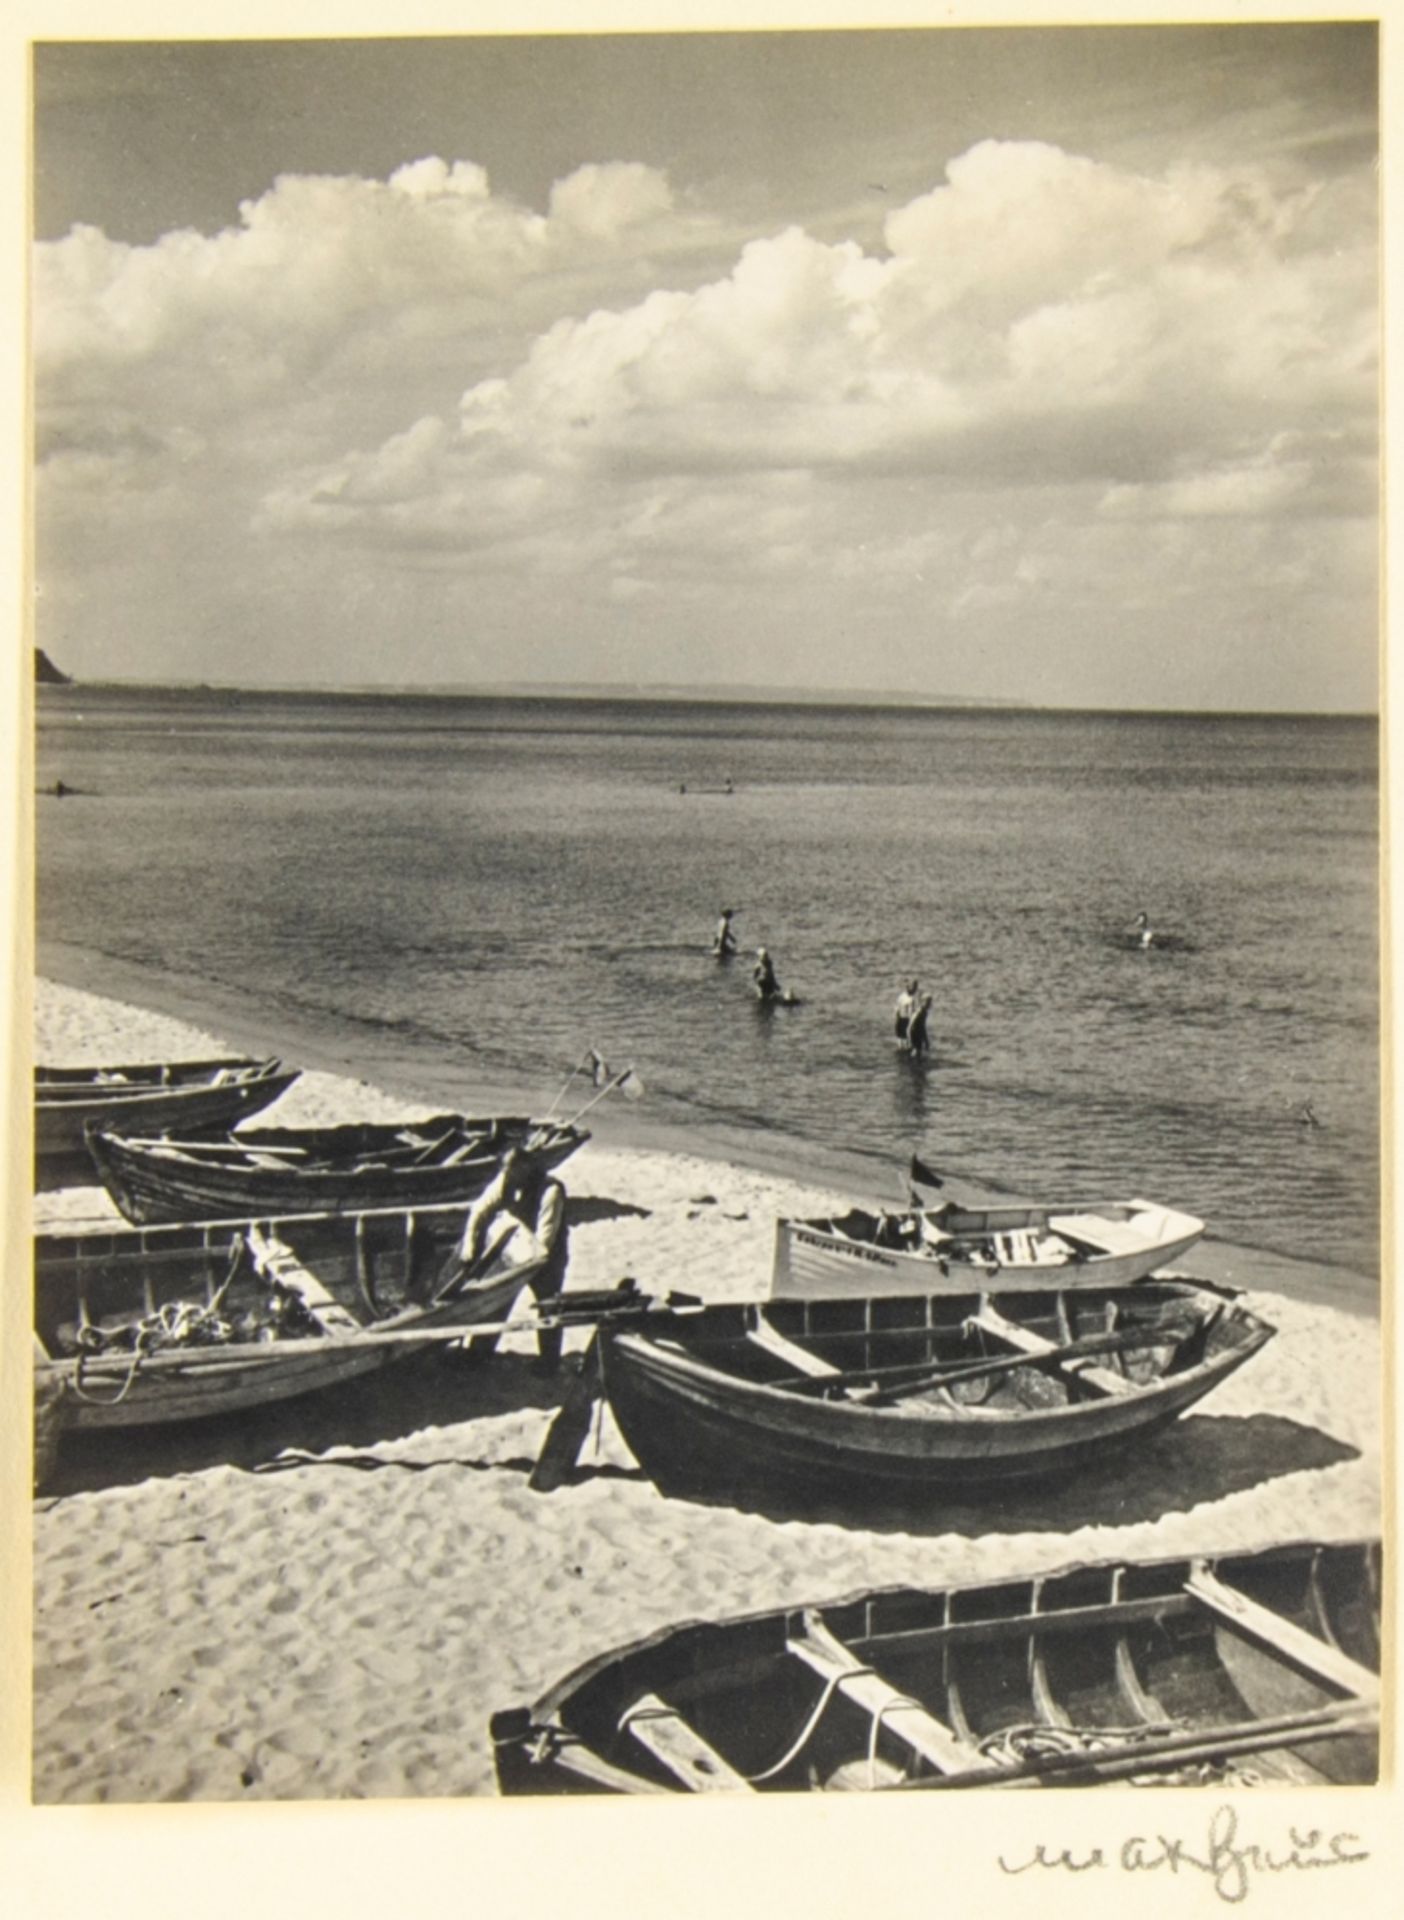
(922, 1176)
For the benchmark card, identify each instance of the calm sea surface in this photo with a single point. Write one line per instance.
(490, 886)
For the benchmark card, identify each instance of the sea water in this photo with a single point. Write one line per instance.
(487, 887)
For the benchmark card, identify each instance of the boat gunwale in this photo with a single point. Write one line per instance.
(50, 1237)
(264, 1139)
(191, 1077)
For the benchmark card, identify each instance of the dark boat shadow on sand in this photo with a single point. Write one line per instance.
(1203, 1458)
(427, 1390)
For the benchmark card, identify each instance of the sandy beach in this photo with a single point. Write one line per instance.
(329, 1599)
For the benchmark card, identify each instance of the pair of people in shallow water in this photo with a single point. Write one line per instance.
(763, 973)
(911, 1017)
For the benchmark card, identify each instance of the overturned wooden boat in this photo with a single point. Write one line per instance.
(144, 1325)
(857, 1401)
(1241, 1669)
(155, 1098)
(951, 1248)
(159, 1176)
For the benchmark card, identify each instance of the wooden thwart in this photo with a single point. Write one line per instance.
(1026, 1341)
(1099, 1230)
(909, 1722)
(800, 1358)
(678, 1747)
(1294, 1643)
(275, 1258)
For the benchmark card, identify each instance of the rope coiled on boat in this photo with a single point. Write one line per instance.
(175, 1323)
(1035, 1740)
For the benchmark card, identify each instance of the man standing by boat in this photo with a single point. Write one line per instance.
(519, 1219)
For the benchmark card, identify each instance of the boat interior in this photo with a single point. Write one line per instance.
(1004, 1353)
(238, 1281)
(1242, 1670)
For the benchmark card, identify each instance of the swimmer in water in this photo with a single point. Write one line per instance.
(724, 940)
(903, 1011)
(767, 986)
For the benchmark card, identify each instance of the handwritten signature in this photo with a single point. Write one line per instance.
(1231, 1865)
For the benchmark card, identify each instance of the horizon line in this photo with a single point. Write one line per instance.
(678, 693)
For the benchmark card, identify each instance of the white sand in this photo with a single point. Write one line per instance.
(345, 1624)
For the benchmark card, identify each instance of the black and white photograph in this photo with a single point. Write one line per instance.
(702, 748)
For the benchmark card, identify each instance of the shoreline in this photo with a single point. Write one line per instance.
(318, 1043)
(327, 1598)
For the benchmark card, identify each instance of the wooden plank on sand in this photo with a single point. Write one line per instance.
(567, 1432)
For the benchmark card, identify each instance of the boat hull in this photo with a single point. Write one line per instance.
(1242, 1669)
(698, 1428)
(153, 1181)
(814, 1261)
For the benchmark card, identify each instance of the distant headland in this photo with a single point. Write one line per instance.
(46, 674)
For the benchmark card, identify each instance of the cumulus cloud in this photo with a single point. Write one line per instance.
(1052, 372)
(1038, 319)
(316, 261)
(602, 202)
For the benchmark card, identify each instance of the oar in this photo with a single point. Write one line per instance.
(581, 1064)
(233, 1144)
(419, 1154)
(1183, 1747)
(615, 1080)
(639, 1306)
(923, 1373)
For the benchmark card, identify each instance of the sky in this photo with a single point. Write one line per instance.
(1021, 364)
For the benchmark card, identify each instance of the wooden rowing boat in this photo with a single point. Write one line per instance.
(326, 1169)
(145, 1325)
(852, 1401)
(1242, 1669)
(183, 1094)
(950, 1248)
